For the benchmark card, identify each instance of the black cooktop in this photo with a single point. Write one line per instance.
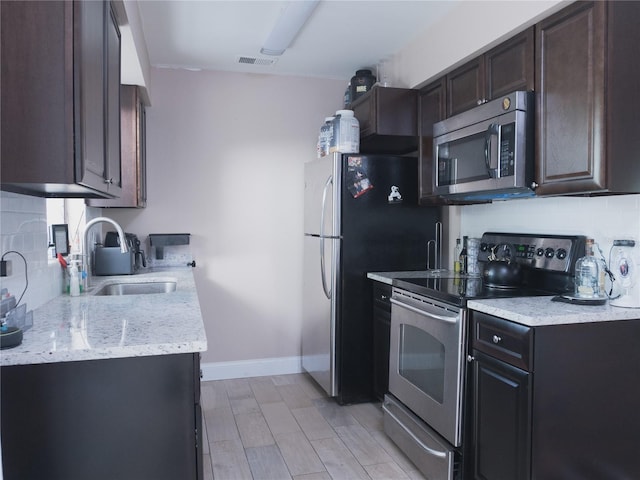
(547, 262)
(457, 290)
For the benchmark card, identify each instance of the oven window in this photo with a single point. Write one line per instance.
(421, 361)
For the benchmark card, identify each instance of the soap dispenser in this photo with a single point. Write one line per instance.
(74, 279)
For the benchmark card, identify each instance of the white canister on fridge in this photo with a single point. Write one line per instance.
(346, 133)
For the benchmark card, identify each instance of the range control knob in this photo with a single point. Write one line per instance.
(561, 254)
(549, 253)
(540, 251)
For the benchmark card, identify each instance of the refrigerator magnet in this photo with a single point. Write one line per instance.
(395, 196)
(357, 182)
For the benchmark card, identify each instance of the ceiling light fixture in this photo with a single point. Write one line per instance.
(291, 20)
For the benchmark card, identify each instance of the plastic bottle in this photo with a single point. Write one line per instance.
(361, 83)
(463, 255)
(347, 96)
(456, 256)
(346, 133)
(587, 274)
(324, 139)
(74, 280)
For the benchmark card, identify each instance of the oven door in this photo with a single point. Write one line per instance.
(427, 360)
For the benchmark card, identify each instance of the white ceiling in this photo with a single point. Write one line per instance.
(340, 37)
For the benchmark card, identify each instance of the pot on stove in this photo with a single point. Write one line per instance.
(500, 270)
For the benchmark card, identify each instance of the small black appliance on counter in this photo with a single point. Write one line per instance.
(109, 260)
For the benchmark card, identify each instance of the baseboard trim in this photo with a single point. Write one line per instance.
(251, 368)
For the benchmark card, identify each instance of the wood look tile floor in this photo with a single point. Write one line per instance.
(284, 427)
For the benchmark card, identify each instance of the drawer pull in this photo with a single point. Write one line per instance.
(497, 339)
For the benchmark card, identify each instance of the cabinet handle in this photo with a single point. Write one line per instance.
(534, 185)
(496, 339)
(383, 297)
(470, 358)
(108, 181)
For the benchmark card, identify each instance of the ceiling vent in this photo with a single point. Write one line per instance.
(257, 61)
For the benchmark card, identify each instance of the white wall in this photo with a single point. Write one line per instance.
(471, 27)
(225, 163)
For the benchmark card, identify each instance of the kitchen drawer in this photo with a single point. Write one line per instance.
(382, 296)
(502, 339)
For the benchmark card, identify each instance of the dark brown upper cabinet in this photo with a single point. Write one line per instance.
(60, 99)
(388, 120)
(587, 120)
(133, 152)
(431, 109)
(504, 69)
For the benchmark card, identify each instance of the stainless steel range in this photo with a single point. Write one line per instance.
(424, 412)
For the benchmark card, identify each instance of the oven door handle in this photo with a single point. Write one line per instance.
(425, 447)
(442, 318)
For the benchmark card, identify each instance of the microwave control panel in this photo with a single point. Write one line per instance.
(507, 149)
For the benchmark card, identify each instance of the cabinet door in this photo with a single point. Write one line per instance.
(501, 420)
(117, 418)
(112, 92)
(570, 110)
(388, 120)
(465, 87)
(510, 66)
(381, 338)
(89, 38)
(54, 110)
(431, 109)
(133, 153)
(37, 140)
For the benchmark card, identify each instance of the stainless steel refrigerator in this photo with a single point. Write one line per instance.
(361, 215)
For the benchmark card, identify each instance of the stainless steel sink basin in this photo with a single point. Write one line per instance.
(136, 288)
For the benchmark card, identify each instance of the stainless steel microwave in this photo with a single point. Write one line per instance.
(486, 153)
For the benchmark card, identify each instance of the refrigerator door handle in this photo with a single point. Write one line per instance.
(327, 291)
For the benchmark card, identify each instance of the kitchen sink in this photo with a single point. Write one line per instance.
(136, 288)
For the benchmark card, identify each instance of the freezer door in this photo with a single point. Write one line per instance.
(319, 313)
(319, 194)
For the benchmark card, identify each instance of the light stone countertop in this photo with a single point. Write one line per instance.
(387, 277)
(539, 311)
(89, 327)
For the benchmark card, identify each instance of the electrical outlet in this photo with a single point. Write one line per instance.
(5, 268)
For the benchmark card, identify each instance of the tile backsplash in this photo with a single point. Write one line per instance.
(604, 218)
(23, 228)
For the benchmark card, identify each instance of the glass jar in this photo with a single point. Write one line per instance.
(587, 274)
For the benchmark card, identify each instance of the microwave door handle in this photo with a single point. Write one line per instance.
(493, 129)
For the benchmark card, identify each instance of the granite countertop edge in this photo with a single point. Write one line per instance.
(388, 277)
(541, 311)
(529, 311)
(91, 327)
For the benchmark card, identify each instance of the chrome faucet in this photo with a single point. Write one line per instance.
(85, 239)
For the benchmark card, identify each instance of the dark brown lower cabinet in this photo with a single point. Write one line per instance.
(502, 420)
(127, 418)
(556, 401)
(381, 338)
